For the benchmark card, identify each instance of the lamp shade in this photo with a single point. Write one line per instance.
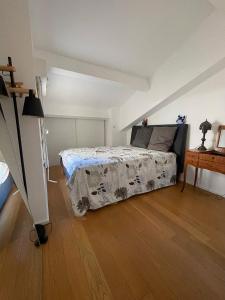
(205, 126)
(32, 106)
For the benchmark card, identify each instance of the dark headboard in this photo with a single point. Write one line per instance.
(179, 143)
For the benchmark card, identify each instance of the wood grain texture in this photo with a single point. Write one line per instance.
(203, 160)
(7, 68)
(20, 261)
(8, 217)
(17, 84)
(161, 245)
(19, 90)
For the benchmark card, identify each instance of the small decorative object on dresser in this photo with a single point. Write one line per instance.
(145, 122)
(204, 127)
(207, 160)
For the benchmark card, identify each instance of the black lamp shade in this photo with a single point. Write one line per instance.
(205, 126)
(32, 106)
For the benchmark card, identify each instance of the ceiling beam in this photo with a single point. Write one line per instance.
(78, 66)
(211, 71)
(182, 72)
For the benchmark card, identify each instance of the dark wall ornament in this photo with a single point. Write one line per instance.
(204, 127)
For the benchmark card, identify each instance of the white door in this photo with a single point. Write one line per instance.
(90, 133)
(61, 136)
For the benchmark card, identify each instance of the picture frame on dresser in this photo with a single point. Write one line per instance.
(220, 142)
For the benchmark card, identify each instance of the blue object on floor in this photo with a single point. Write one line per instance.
(6, 183)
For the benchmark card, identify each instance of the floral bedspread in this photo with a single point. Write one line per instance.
(105, 175)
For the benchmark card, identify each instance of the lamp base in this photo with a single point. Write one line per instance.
(42, 236)
(202, 148)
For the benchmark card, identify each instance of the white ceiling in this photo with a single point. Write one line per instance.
(65, 87)
(134, 36)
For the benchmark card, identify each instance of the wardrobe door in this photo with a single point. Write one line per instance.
(61, 136)
(90, 133)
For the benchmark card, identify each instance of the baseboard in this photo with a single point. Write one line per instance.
(181, 179)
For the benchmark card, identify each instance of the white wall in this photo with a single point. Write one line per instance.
(16, 41)
(90, 133)
(67, 133)
(205, 101)
(61, 136)
(74, 111)
(1, 157)
(114, 136)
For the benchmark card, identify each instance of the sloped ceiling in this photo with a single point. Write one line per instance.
(133, 36)
(65, 87)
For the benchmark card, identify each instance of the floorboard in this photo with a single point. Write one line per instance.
(161, 245)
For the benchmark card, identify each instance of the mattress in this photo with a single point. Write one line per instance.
(6, 183)
(101, 176)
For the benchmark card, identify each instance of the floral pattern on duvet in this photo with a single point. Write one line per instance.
(124, 172)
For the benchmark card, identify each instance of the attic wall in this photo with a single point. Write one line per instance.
(205, 101)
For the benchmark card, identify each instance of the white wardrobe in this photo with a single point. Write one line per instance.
(66, 133)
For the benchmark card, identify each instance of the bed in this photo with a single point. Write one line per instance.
(100, 176)
(6, 183)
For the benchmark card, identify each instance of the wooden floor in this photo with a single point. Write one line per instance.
(161, 245)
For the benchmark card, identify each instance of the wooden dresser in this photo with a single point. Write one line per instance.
(203, 160)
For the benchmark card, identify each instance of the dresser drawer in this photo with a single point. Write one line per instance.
(191, 158)
(212, 158)
(205, 161)
(212, 166)
(192, 161)
(192, 155)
